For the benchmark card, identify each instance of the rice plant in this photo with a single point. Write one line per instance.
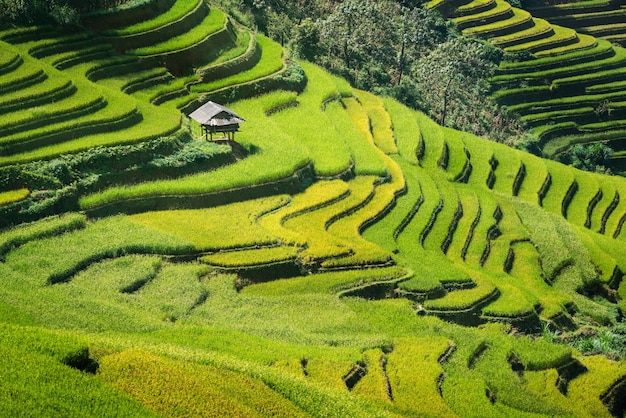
(179, 9)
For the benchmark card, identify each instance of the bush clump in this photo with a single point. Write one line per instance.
(56, 185)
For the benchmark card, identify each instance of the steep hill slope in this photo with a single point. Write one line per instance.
(570, 90)
(600, 18)
(356, 260)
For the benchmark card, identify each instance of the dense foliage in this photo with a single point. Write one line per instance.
(396, 48)
(60, 181)
(64, 12)
(590, 157)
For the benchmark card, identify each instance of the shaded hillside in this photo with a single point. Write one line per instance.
(603, 19)
(570, 89)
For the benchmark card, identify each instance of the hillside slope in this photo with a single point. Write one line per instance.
(568, 87)
(355, 259)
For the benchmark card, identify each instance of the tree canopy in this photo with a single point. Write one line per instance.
(398, 48)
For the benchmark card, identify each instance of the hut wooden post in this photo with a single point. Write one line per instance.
(216, 118)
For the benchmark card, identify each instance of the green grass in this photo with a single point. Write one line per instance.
(588, 187)
(367, 160)
(245, 40)
(520, 18)
(351, 226)
(329, 152)
(212, 23)
(8, 56)
(251, 171)
(125, 81)
(331, 282)
(556, 146)
(59, 44)
(536, 172)
(299, 319)
(511, 232)
(597, 77)
(557, 116)
(461, 300)
(191, 225)
(74, 57)
(584, 390)
(433, 239)
(500, 12)
(29, 70)
(592, 65)
(84, 132)
(405, 129)
(413, 371)
(373, 384)
(271, 62)
(72, 108)
(154, 124)
(584, 42)
(174, 292)
(480, 157)
(434, 145)
(38, 385)
(512, 303)
(323, 244)
(140, 374)
(565, 258)
(251, 257)
(542, 47)
(612, 221)
(506, 171)
(12, 196)
(61, 348)
(57, 258)
(146, 296)
(605, 253)
(179, 9)
(25, 233)
(600, 49)
(154, 93)
(380, 122)
(464, 234)
(386, 231)
(117, 277)
(38, 93)
(602, 206)
(318, 196)
(583, 18)
(473, 5)
(567, 102)
(540, 29)
(457, 156)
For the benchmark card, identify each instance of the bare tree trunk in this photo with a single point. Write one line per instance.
(401, 62)
(445, 102)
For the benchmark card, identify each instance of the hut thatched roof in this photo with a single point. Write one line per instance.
(216, 115)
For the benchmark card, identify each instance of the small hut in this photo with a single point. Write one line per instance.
(216, 118)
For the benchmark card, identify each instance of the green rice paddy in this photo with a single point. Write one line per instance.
(352, 259)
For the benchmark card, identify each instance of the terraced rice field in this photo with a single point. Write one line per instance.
(353, 259)
(600, 18)
(571, 89)
(48, 112)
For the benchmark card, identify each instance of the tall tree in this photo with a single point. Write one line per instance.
(279, 27)
(590, 157)
(360, 31)
(453, 77)
(419, 30)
